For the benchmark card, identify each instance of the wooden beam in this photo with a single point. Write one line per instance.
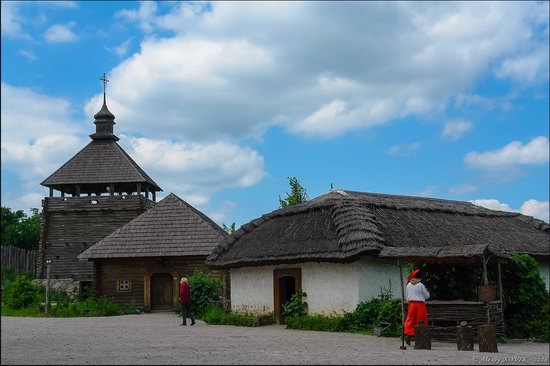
(51, 192)
(402, 305)
(138, 188)
(77, 190)
(500, 294)
(154, 196)
(112, 189)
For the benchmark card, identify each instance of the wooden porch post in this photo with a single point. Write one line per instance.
(402, 306)
(500, 294)
(51, 192)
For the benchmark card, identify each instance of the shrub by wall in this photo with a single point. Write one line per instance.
(205, 291)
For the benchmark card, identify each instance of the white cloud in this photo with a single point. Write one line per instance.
(145, 15)
(196, 171)
(404, 149)
(122, 49)
(538, 209)
(11, 21)
(37, 133)
(492, 204)
(38, 136)
(515, 153)
(317, 68)
(526, 68)
(532, 207)
(27, 54)
(454, 130)
(219, 214)
(58, 33)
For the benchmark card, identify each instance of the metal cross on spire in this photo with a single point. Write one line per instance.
(105, 81)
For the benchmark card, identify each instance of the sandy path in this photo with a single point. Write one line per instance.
(158, 339)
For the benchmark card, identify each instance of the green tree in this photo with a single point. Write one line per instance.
(297, 194)
(229, 229)
(20, 230)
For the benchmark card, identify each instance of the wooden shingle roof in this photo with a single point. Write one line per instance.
(171, 228)
(341, 226)
(101, 161)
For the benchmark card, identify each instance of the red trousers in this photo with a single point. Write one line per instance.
(416, 313)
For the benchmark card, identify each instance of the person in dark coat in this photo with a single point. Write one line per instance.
(185, 301)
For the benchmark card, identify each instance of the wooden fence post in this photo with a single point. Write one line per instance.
(422, 337)
(465, 338)
(487, 338)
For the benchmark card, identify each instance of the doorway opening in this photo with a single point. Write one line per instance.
(162, 291)
(286, 282)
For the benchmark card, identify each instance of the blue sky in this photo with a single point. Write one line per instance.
(221, 102)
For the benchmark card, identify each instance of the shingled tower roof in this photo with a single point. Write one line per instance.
(100, 163)
(171, 228)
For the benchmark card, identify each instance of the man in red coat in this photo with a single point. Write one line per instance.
(185, 301)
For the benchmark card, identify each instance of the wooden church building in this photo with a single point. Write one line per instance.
(94, 193)
(143, 261)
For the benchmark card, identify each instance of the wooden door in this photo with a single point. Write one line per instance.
(161, 291)
(286, 282)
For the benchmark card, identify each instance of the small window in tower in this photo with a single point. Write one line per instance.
(93, 202)
(124, 285)
(67, 244)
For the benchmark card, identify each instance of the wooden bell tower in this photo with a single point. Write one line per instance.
(93, 194)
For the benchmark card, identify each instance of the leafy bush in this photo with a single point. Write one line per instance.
(296, 306)
(21, 293)
(217, 316)
(205, 291)
(315, 322)
(103, 307)
(131, 308)
(363, 319)
(527, 301)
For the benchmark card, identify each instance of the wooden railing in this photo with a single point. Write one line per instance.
(18, 259)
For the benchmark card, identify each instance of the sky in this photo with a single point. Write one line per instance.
(221, 102)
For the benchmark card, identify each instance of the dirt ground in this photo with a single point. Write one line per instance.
(159, 339)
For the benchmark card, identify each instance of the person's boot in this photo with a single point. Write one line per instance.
(408, 340)
(184, 322)
(192, 321)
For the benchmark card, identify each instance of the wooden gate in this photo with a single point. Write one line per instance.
(162, 291)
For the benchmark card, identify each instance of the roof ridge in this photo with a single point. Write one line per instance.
(136, 166)
(200, 214)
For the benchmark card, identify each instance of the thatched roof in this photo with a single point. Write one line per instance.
(341, 226)
(171, 228)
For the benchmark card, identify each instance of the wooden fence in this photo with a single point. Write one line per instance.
(18, 259)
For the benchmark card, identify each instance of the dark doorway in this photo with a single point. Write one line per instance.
(161, 291)
(286, 282)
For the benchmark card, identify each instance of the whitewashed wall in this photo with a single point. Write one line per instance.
(252, 289)
(544, 269)
(331, 288)
(377, 273)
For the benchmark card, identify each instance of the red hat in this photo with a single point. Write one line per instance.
(414, 273)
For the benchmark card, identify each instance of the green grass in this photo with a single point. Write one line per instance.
(216, 316)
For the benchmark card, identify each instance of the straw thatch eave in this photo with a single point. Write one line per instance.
(343, 225)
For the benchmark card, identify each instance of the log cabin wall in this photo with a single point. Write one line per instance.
(72, 224)
(138, 272)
